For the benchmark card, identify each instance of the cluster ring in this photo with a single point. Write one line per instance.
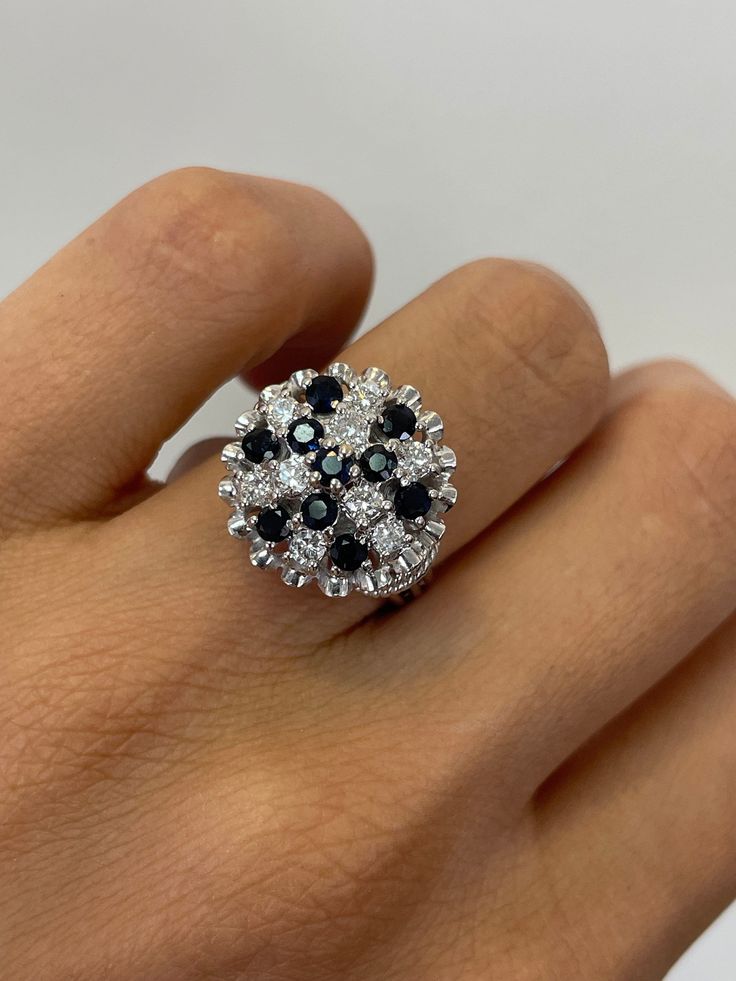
(340, 479)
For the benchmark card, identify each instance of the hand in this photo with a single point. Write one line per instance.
(529, 773)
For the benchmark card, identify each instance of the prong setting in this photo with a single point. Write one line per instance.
(373, 461)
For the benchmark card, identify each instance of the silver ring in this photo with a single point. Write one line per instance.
(340, 479)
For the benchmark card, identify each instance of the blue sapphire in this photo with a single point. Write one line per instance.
(260, 445)
(398, 422)
(272, 524)
(323, 393)
(348, 553)
(377, 463)
(319, 511)
(330, 466)
(304, 434)
(412, 501)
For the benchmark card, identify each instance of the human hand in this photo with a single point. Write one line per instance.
(529, 773)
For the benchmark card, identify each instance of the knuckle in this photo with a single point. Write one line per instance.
(527, 316)
(689, 425)
(218, 230)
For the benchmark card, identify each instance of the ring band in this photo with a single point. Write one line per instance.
(340, 479)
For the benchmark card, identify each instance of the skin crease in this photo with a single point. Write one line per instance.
(528, 774)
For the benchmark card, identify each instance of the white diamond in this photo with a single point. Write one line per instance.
(293, 475)
(283, 410)
(416, 460)
(255, 486)
(363, 503)
(306, 548)
(387, 536)
(348, 425)
(368, 395)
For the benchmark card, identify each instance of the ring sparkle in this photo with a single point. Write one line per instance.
(340, 479)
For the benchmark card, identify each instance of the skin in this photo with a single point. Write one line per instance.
(529, 773)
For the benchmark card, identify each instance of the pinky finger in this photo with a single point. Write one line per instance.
(640, 826)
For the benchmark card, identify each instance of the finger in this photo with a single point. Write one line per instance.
(639, 826)
(511, 357)
(131, 326)
(525, 382)
(596, 587)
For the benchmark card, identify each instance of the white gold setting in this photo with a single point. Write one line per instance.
(340, 479)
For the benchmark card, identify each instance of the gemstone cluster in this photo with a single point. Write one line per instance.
(341, 479)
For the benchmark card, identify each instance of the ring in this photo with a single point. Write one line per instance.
(340, 479)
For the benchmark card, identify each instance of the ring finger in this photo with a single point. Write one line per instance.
(510, 356)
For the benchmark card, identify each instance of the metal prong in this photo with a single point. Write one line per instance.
(343, 372)
(431, 424)
(378, 377)
(448, 496)
(409, 396)
(300, 379)
(237, 525)
(232, 455)
(247, 421)
(227, 490)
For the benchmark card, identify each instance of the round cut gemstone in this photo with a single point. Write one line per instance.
(398, 422)
(363, 503)
(348, 553)
(377, 463)
(331, 466)
(306, 548)
(387, 536)
(412, 501)
(348, 425)
(303, 435)
(273, 524)
(368, 394)
(293, 475)
(323, 393)
(260, 445)
(416, 459)
(255, 486)
(319, 511)
(282, 410)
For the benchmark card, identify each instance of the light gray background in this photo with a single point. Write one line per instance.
(597, 137)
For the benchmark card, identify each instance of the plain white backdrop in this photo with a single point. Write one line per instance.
(597, 137)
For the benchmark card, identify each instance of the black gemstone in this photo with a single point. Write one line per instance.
(330, 466)
(377, 463)
(413, 501)
(260, 444)
(303, 435)
(319, 511)
(323, 393)
(399, 422)
(273, 524)
(348, 553)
